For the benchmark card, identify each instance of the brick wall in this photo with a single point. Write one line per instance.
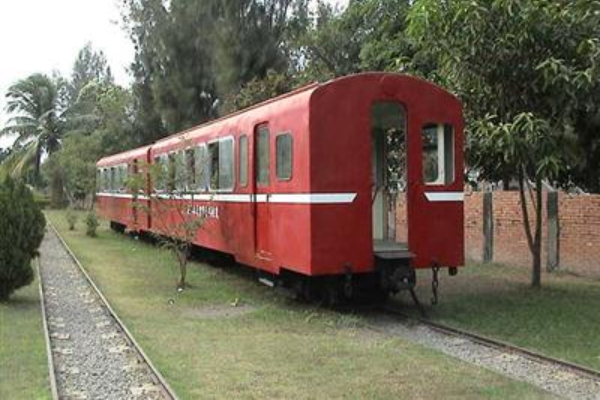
(579, 231)
(474, 226)
(579, 240)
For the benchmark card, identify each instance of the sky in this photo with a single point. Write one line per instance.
(46, 35)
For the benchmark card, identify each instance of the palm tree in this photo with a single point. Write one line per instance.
(34, 102)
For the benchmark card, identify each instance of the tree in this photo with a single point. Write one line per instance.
(90, 66)
(36, 121)
(174, 83)
(191, 55)
(97, 122)
(73, 170)
(257, 90)
(21, 232)
(527, 72)
(177, 222)
(4, 154)
(369, 35)
(248, 41)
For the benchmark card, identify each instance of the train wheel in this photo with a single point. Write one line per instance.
(332, 295)
(302, 290)
(115, 226)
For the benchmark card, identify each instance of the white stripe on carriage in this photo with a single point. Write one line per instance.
(121, 195)
(313, 198)
(277, 198)
(445, 196)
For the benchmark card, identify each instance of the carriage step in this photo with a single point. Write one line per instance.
(394, 255)
(266, 281)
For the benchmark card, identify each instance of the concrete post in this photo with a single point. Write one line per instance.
(488, 227)
(553, 232)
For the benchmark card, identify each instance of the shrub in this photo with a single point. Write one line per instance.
(22, 227)
(91, 221)
(71, 219)
(41, 199)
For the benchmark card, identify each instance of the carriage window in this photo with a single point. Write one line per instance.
(180, 171)
(126, 175)
(283, 145)
(121, 170)
(226, 164)
(98, 180)
(159, 172)
(122, 177)
(190, 166)
(119, 186)
(171, 172)
(438, 154)
(112, 179)
(262, 156)
(213, 165)
(125, 181)
(117, 181)
(243, 171)
(202, 172)
(136, 177)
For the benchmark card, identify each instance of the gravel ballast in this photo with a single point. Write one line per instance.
(554, 378)
(93, 357)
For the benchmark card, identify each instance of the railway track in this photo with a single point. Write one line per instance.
(560, 377)
(91, 353)
(557, 376)
(498, 344)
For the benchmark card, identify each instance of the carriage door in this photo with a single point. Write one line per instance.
(262, 164)
(436, 208)
(388, 130)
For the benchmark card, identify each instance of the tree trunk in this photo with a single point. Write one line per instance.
(37, 164)
(534, 239)
(536, 275)
(182, 275)
(182, 258)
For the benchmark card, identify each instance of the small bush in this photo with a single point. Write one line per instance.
(91, 222)
(71, 219)
(22, 227)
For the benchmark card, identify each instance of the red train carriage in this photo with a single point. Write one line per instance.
(304, 187)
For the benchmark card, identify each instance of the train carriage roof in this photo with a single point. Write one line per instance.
(124, 157)
(302, 94)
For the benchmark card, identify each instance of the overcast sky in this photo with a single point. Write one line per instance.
(46, 35)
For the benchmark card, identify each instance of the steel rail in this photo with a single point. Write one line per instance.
(496, 344)
(168, 391)
(49, 354)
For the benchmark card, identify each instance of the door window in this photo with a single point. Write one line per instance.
(438, 154)
(262, 156)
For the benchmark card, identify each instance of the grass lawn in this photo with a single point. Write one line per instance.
(560, 320)
(23, 362)
(267, 346)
